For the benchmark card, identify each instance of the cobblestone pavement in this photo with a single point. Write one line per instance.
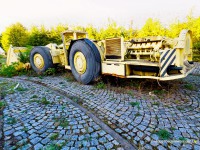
(147, 120)
(196, 71)
(38, 118)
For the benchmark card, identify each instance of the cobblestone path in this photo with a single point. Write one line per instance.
(39, 117)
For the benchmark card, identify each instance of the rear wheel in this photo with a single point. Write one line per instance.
(40, 59)
(83, 63)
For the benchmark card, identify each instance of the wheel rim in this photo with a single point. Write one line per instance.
(80, 62)
(38, 61)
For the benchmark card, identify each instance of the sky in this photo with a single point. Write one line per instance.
(95, 12)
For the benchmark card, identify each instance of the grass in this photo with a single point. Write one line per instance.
(2, 104)
(75, 99)
(7, 88)
(176, 101)
(53, 147)
(25, 129)
(100, 85)
(172, 128)
(156, 103)
(131, 93)
(21, 89)
(34, 96)
(24, 56)
(182, 139)
(2, 60)
(180, 108)
(8, 71)
(157, 117)
(159, 92)
(163, 134)
(135, 104)
(54, 136)
(50, 71)
(138, 114)
(62, 121)
(11, 120)
(190, 87)
(43, 101)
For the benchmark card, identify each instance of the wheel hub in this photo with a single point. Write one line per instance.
(38, 61)
(80, 62)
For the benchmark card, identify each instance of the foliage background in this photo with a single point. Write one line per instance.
(18, 35)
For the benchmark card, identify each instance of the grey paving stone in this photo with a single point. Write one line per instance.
(45, 141)
(102, 140)
(102, 132)
(136, 127)
(154, 143)
(9, 132)
(94, 142)
(140, 134)
(109, 137)
(38, 146)
(17, 133)
(155, 137)
(93, 148)
(36, 140)
(85, 143)
(196, 147)
(160, 147)
(108, 145)
(148, 147)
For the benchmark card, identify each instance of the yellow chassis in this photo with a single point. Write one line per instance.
(146, 55)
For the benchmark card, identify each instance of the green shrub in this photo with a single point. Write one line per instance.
(8, 71)
(190, 87)
(11, 120)
(44, 101)
(163, 134)
(134, 104)
(50, 71)
(54, 136)
(2, 104)
(24, 56)
(100, 85)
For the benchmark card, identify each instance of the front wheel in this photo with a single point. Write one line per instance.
(40, 59)
(83, 63)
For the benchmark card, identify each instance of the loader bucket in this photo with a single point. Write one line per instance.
(13, 57)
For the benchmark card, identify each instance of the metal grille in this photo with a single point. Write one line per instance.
(113, 47)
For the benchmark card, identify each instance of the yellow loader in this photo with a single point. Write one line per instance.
(157, 57)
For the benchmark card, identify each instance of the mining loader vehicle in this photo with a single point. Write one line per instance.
(157, 57)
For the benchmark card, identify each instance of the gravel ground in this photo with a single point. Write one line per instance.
(38, 116)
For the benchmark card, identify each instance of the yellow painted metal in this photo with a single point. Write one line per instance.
(80, 62)
(67, 37)
(144, 52)
(13, 56)
(38, 61)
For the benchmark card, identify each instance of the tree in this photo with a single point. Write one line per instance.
(175, 29)
(112, 31)
(15, 35)
(0, 40)
(152, 28)
(193, 25)
(55, 33)
(38, 36)
(92, 32)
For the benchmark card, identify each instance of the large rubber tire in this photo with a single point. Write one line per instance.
(45, 54)
(92, 66)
